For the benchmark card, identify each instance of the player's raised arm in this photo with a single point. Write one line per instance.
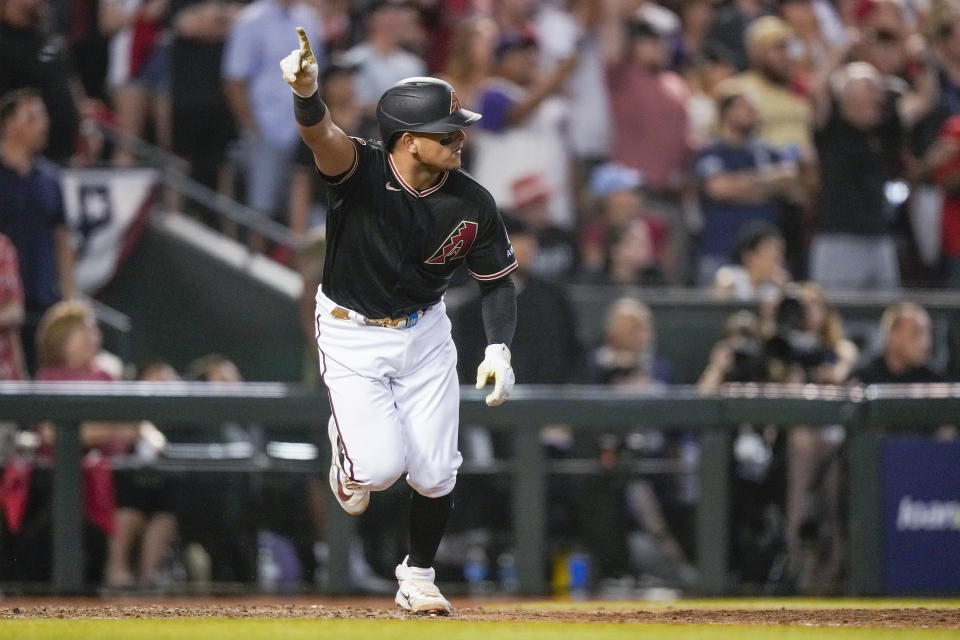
(332, 149)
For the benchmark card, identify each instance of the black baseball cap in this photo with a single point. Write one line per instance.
(337, 64)
(514, 41)
(377, 5)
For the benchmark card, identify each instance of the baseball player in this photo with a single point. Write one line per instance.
(402, 218)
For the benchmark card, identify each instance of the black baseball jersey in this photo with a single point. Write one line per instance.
(392, 249)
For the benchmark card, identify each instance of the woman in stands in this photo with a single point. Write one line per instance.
(130, 502)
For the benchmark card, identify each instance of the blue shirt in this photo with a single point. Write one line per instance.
(722, 219)
(263, 35)
(31, 207)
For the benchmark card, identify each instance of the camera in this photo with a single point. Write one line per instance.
(747, 349)
(789, 343)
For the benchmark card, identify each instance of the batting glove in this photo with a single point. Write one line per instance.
(300, 68)
(496, 367)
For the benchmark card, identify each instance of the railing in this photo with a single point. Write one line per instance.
(684, 297)
(174, 174)
(714, 416)
(689, 321)
(117, 328)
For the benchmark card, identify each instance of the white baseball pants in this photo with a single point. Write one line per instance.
(395, 398)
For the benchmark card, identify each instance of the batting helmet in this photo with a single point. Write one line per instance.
(424, 105)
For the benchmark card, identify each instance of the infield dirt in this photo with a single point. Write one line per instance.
(914, 617)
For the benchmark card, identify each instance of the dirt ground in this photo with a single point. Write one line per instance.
(326, 608)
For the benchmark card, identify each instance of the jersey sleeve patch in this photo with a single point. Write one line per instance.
(456, 245)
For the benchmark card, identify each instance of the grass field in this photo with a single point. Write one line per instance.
(234, 629)
(790, 619)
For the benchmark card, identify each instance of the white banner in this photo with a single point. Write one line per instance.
(106, 209)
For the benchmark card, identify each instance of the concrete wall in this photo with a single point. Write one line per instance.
(191, 292)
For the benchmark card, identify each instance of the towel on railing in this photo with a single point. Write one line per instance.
(14, 492)
(99, 501)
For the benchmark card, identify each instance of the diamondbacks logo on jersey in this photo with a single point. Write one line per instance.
(456, 245)
(454, 101)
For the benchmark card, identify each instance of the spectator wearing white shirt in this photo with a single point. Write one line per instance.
(522, 131)
(138, 72)
(759, 273)
(380, 58)
(576, 28)
(257, 94)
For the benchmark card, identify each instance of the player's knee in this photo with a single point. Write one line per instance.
(383, 476)
(433, 485)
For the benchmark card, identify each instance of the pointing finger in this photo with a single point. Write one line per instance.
(304, 42)
(305, 46)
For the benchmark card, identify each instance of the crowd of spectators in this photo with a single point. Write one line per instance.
(830, 119)
(147, 528)
(765, 151)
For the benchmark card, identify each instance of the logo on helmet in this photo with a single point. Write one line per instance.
(454, 102)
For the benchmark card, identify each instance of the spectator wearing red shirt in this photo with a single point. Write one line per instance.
(620, 200)
(68, 341)
(12, 366)
(651, 125)
(124, 504)
(947, 175)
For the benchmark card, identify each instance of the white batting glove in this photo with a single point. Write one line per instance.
(496, 367)
(300, 68)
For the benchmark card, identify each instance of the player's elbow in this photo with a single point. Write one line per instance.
(333, 151)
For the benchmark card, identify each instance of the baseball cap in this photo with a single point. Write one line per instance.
(529, 190)
(731, 89)
(613, 177)
(336, 64)
(717, 53)
(951, 128)
(642, 29)
(513, 41)
(766, 31)
(663, 21)
(379, 5)
(751, 235)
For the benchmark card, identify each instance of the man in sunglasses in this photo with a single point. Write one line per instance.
(402, 218)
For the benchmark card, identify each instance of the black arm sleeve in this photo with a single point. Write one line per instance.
(309, 111)
(499, 310)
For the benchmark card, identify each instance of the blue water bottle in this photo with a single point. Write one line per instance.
(578, 565)
(475, 569)
(507, 572)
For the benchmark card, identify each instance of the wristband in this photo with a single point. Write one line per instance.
(308, 111)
